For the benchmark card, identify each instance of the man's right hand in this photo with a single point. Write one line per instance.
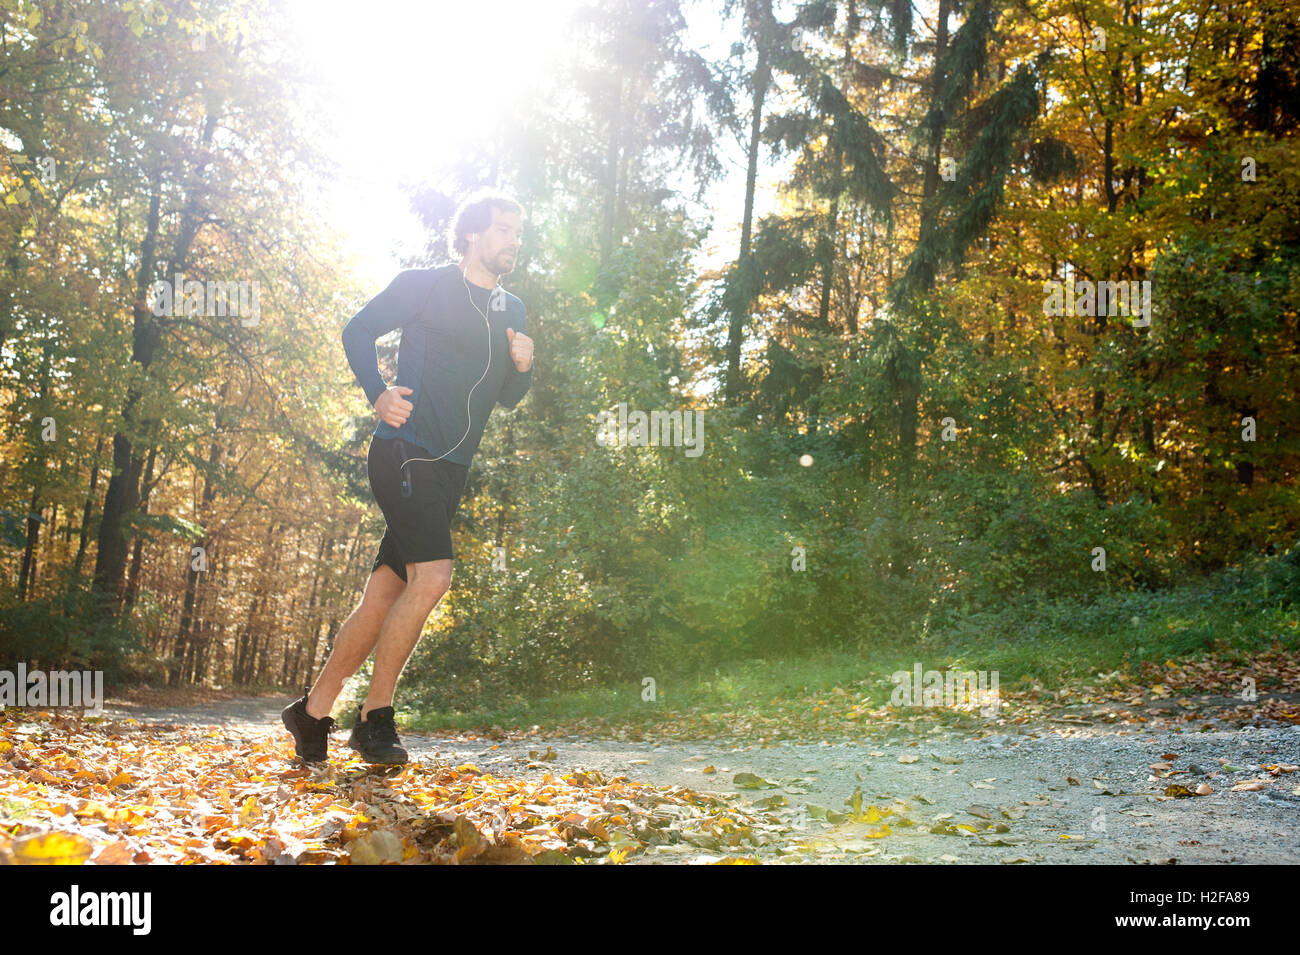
(392, 407)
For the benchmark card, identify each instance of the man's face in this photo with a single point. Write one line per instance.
(498, 245)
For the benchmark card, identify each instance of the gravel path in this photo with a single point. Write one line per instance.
(1074, 794)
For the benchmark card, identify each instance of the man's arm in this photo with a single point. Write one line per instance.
(517, 382)
(390, 309)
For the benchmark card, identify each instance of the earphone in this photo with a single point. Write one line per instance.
(469, 421)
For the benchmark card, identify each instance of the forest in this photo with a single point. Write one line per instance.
(1013, 354)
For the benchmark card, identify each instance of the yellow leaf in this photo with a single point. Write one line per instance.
(250, 813)
(52, 848)
(467, 833)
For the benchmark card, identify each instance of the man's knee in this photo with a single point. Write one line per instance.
(429, 580)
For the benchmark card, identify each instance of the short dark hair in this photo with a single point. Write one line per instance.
(475, 214)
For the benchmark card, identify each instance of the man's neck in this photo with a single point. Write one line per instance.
(475, 274)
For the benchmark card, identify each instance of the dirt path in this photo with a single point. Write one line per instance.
(1058, 793)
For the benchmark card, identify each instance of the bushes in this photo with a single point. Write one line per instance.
(997, 537)
(66, 631)
(688, 566)
(1277, 581)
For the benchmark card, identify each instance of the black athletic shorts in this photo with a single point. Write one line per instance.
(418, 517)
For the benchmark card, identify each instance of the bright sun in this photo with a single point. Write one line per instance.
(408, 82)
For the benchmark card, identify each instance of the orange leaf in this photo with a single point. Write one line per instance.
(119, 853)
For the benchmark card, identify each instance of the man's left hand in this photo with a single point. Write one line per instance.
(521, 349)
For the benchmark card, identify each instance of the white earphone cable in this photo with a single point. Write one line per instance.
(468, 418)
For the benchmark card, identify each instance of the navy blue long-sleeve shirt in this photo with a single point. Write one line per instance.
(444, 348)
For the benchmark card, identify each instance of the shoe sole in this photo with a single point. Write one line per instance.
(375, 761)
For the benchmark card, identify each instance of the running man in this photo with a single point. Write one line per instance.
(463, 350)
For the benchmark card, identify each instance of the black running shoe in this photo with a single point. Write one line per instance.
(311, 736)
(375, 738)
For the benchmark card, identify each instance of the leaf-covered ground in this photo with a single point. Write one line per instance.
(118, 792)
(1172, 760)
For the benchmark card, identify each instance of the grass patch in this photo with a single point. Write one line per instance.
(1033, 644)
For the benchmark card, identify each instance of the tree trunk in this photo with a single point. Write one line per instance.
(184, 631)
(27, 573)
(741, 298)
(87, 510)
(123, 494)
(137, 547)
(910, 395)
(829, 246)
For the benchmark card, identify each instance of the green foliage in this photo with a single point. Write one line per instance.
(13, 528)
(938, 455)
(66, 630)
(1280, 580)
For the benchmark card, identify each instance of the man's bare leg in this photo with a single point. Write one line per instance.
(356, 638)
(426, 583)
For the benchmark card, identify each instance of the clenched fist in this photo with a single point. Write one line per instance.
(521, 349)
(392, 407)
